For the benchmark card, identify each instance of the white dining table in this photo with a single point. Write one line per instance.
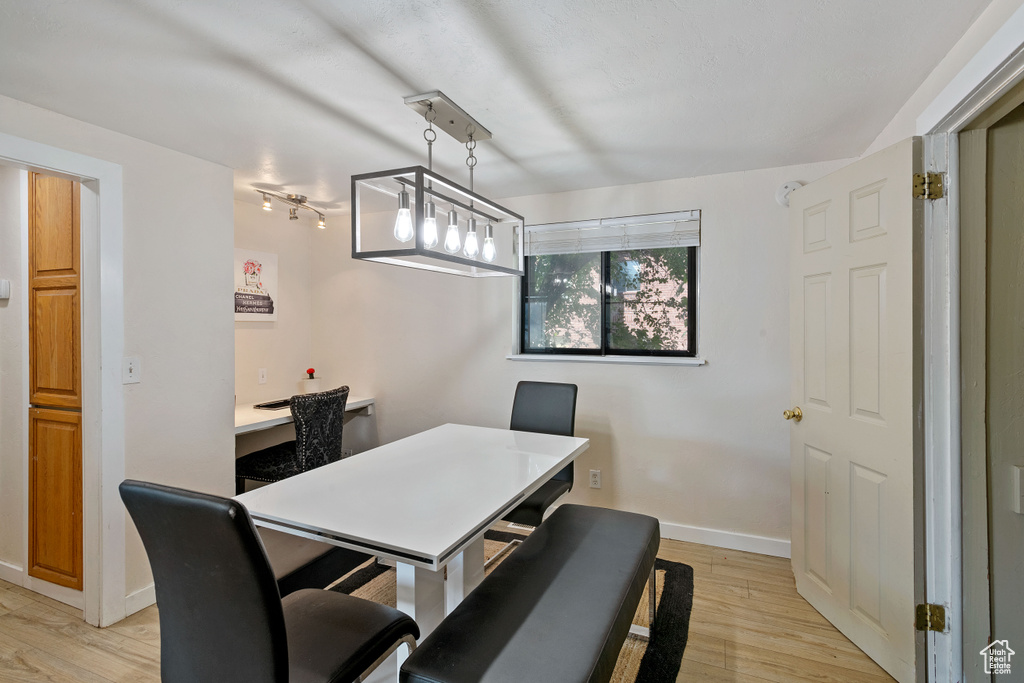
(424, 501)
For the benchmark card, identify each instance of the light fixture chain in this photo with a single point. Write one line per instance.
(471, 159)
(430, 135)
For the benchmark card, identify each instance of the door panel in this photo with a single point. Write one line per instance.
(55, 372)
(54, 236)
(55, 330)
(55, 496)
(854, 351)
(55, 382)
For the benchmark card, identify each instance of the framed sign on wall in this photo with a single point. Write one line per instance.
(255, 286)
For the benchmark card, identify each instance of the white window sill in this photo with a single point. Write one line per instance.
(625, 360)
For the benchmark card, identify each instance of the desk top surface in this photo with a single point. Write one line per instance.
(249, 419)
(421, 499)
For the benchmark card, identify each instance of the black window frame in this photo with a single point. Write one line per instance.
(605, 324)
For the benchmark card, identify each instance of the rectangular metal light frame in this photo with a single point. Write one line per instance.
(442, 189)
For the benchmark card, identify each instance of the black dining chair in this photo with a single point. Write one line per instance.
(221, 615)
(548, 408)
(319, 420)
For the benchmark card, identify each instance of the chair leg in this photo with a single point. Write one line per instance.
(406, 640)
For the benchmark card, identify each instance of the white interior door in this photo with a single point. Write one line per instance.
(855, 358)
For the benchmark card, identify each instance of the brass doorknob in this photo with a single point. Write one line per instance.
(796, 414)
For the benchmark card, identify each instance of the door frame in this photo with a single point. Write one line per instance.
(102, 348)
(996, 68)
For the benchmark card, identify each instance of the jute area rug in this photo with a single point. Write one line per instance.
(656, 661)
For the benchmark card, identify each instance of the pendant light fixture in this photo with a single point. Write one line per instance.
(452, 242)
(403, 222)
(489, 252)
(410, 237)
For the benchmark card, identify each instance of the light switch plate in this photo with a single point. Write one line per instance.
(131, 370)
(261, 375)
(5, 289)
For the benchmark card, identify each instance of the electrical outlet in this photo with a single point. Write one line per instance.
(595, 479)
(131, 370)
(262, 375)
(346, 453)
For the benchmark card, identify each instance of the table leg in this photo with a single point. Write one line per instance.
(465, 572)
(421, 595)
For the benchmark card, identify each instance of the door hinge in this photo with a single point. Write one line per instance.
(931, 618)
(928, 186)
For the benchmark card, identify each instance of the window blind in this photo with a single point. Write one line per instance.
(651, 231)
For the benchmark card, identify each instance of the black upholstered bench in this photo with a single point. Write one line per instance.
(304, 563)
(557, 610)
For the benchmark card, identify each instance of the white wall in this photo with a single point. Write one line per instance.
(178, 241)
(283, 347)
(904, 123)
(12, 411)
(698, 446)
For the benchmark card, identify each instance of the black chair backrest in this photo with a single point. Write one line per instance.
(319, 419)
(220, 611)
(546, 407)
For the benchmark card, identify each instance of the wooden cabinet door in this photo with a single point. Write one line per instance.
(55, 329)
(55, 382)
(55, 496)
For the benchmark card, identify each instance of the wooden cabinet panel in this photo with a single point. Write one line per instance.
(54, 227)
(56, 377)
(55, 496)
(54, 326)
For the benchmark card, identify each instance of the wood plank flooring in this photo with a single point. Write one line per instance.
(748, 626)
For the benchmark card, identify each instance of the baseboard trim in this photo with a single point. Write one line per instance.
(139, 600)
(17, 575)
(12, 573)
(776, 547)
(69, 596)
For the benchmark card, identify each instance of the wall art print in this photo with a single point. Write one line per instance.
(255, 286)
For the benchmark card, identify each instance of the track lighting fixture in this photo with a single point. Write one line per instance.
(295, 202)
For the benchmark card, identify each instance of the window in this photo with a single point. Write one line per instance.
(624, 286)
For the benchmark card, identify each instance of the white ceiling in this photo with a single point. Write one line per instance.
(299, 95)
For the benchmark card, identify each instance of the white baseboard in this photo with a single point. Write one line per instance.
(15, 574)
(12, 573)
(69, 596)
(139, 600)
(776, 547)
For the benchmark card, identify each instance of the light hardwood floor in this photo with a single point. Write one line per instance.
(748, 626)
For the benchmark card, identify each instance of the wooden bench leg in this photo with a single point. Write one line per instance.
(641, 632)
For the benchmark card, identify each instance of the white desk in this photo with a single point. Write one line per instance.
(249, 419)
(424, 501)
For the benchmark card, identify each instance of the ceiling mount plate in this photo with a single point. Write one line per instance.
(450, 117)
